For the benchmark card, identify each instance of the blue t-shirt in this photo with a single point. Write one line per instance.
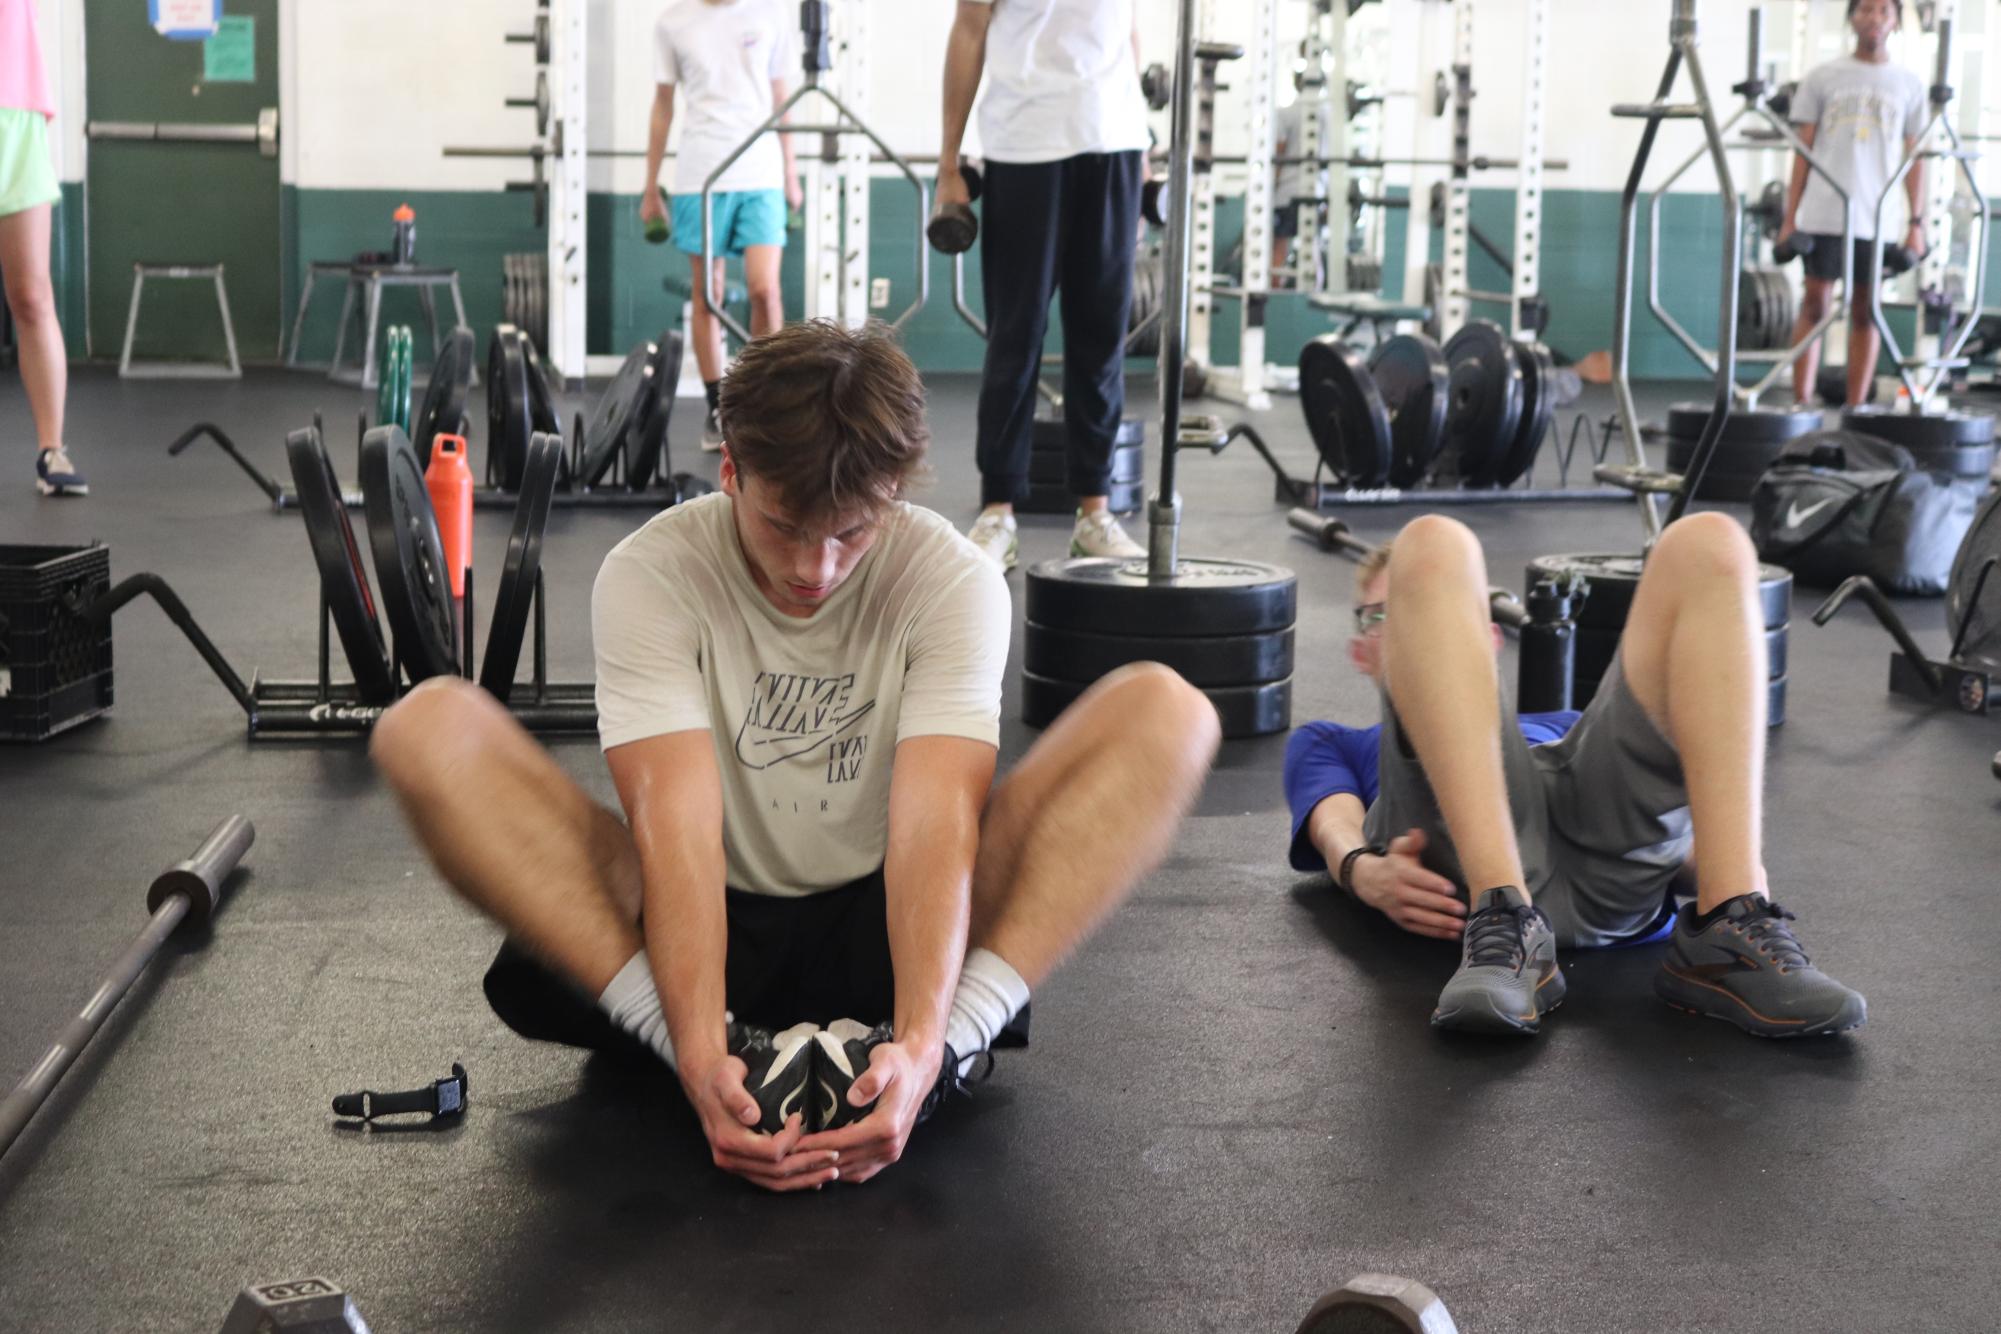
(1322, 759)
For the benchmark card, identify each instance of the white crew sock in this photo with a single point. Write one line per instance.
(990, 994)
(633, 1002)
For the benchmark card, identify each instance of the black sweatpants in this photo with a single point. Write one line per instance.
(1048, 227)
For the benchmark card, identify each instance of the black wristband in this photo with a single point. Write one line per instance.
(443, 1098)
(1346, 878)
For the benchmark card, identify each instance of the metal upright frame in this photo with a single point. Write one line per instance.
(1948, 358)
(569, 189)
(815, 24)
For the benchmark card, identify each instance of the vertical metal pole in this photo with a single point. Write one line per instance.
(568, 186)
(852, 82)
(1941, 183)
(1458, 202)
(1425, 136)
(1203, 251)
(1258, 67)
(1528, 177)
(1164, 511)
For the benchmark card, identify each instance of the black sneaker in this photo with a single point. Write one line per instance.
(779, 1067)
(842, 1055)
(951, 1081)
(1508, 978)
(1747, 967)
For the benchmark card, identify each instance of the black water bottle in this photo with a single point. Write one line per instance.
(1549, 651)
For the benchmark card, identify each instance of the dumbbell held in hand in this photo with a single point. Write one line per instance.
(953, 228)
(659, 229)
(1896, 258)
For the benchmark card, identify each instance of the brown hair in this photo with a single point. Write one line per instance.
(1373, 564)
(832, 418)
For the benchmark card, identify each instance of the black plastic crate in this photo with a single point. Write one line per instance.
(55, 668)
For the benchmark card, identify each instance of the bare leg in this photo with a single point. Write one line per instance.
(1438, 656)
(1864, 345)
(24, 257)
(1693, 654)
(1090, 809)
(1813, 309)
(767, 300)
(560, 873)
(705, 328)
(1281, 248)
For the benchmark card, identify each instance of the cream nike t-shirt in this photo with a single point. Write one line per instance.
(805, 712)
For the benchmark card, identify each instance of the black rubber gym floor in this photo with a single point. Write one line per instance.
(1233, 1102)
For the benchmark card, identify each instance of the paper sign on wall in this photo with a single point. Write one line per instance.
(184, 20)
(230, 56)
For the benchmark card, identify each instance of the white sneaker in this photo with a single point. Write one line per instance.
(994, 534)
(1099, 534)
(712, 434)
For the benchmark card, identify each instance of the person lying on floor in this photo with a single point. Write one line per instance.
(1569, 829)
(821, 909)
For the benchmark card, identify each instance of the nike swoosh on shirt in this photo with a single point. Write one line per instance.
(1797, 516)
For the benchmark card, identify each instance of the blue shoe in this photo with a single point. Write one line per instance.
(56, 476)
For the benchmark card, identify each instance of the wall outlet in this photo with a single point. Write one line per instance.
(878, 294)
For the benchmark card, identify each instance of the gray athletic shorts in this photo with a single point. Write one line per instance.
(1601, 815)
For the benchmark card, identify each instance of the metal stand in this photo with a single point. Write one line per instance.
(1948, 358)
(230, 369)
(814, 20)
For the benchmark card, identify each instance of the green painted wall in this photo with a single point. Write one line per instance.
(66, 265)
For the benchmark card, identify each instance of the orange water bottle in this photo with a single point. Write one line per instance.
(449, 480)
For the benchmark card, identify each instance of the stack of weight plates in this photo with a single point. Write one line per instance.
(1049, 469)
(1753, 439)
(1609, 583)
(1959, 444)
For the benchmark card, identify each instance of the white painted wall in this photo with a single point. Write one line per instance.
(378, 87)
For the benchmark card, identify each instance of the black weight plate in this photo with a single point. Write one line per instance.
(1760, 426)
(509, 415)
(1124, 498)
(1345, 411)
(343, 579)
(409, 555)
(1733, 471)
(1244, 711)
(1486, 401)
(1611, 580)
(1595, 648)
(1203, 660)
(1102, 596)
(1981, 544)
(444, 408)
(1926, 436)
(1411, 373)
(617, 409)
(1538, 411)
(1052, 435)
(649, 446)
(542, 413)
(1052, 469)
(515, 600)
(1751, 310)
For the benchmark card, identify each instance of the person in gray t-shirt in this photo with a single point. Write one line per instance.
(1860, 114)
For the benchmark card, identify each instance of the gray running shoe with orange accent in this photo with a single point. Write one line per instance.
(1747, 967)
(1508, 978)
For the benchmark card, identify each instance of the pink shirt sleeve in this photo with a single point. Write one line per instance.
(23, 83)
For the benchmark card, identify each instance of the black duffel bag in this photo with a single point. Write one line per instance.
(1837, 503)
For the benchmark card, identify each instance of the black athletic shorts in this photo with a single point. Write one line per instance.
(1285, 219)
(1825, 261)
(815, 958)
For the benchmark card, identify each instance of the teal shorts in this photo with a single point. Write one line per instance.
(27, 176)
(741, 218)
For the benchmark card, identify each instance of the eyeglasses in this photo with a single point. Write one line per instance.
(1369, 618)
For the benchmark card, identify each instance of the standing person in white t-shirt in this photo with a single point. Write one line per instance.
(799, 686)
(1860, 114)
(729, 58)
(1291, 180)
(1063, 131)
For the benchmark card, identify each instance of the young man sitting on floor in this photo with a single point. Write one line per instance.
(1569, 828)
(818, 887)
